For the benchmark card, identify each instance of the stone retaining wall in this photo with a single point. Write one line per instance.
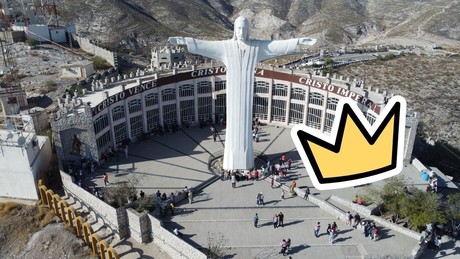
(104, 211)
(125, 222)
(87, 46)
(171, 244)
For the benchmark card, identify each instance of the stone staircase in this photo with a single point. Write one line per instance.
(124, 248)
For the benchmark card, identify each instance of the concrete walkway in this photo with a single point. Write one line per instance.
(168, 163)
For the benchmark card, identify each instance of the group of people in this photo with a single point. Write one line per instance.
(371, 230)
(351, 220)
(285, 245)
(332, 232)
(278, 220)
(260, 199)
(237, 175)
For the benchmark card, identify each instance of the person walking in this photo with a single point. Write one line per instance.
(288, 245)
(317, 228)
(328, 229)
(261, 201)
(282, 159)
(331, 237)
(190, 197)
(289, 162)
(272, 182)
(256, 220)
(283, 247)
(356, 220)
(233, 179)
(307, 192)
(281, 219)
(293, 186)
(106, 179)
(126, 151)
(348, 217)
(275, 221)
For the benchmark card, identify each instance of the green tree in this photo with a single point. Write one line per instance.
(452, 206)
(422, 208)
(99, 63)
(71, 90)
(329, 62)
(393, 194)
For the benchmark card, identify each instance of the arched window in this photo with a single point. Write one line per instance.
(298, 93)
(316, 98)
(186, 90)
(261, 87)
(168, 94)
(134, 105)
(204, 87)
(151, 99)
(332, 103)
(280, 90)
(101, 123)
(118, 112)
(220, 85)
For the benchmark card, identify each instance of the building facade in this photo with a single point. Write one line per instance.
(166, 56)
(127, 109)
(24, 157)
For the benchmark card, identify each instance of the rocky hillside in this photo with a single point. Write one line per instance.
(138, 24)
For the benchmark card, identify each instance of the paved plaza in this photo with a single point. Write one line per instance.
(170, 162)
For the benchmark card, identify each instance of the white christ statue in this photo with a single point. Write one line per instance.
(240, 55)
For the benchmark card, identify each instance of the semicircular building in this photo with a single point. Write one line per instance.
(123, 110)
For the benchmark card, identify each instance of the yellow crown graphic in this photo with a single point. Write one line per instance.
(355, 152)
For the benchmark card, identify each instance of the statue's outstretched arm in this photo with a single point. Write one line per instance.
(177, 41)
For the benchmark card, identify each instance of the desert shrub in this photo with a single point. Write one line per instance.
(216, 245)
(32, 42)
(145, 203)
(119, 193)
(100, 63)
(7, 207)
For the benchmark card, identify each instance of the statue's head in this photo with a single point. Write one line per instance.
(241, 29)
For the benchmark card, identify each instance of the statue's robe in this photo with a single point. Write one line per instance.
(240, 58)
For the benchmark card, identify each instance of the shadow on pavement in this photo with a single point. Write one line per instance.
(384, 234)
(133, 249)
(293, 222)
(244, 185)
(296, 249)
(338, 240)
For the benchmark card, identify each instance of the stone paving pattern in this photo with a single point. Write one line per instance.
(172, 161)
